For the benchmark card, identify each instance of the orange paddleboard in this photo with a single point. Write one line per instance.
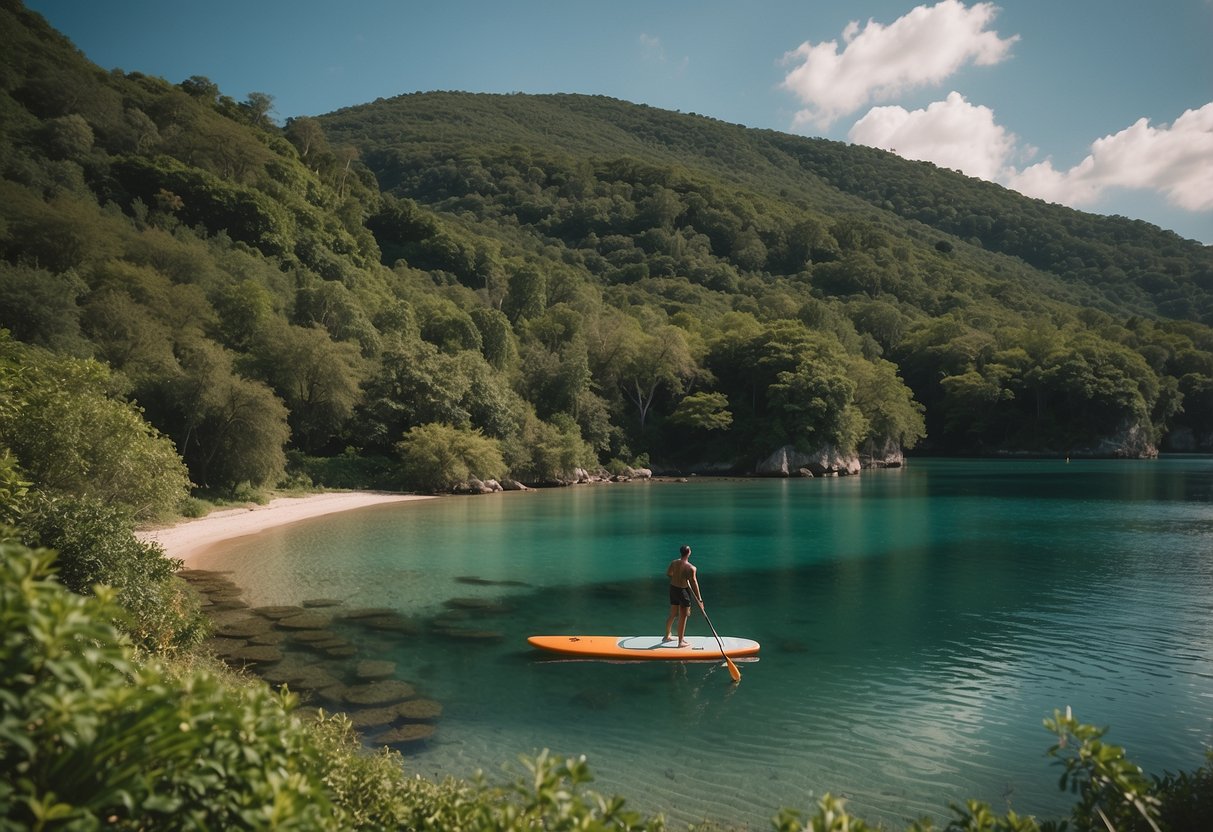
(645, 647)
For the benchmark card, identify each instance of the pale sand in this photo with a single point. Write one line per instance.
(190, 538)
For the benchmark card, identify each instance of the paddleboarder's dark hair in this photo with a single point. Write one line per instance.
(685, 550)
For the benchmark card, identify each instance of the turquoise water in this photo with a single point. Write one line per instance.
(917, 625)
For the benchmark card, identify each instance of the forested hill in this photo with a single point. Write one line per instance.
(1129, 262)
(450, 283)
(934, 267)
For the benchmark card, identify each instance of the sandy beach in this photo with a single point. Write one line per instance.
(189, 538)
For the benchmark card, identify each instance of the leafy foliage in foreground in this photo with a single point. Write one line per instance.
(89, 735)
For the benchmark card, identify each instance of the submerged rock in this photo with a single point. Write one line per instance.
(223, 648)
(228, 604)
(333, 694)
(478, 581)
(243, 628)
(392, 623)
(257, 654)
(366, 612)
(374, 717)
(372, 670)
(305, 621)
(270, 638)
(315, 679)
(410, 733)
(388, 691)
(311, 637)
(478, 605)
(419, 709)
(278, 611)
(286, 672)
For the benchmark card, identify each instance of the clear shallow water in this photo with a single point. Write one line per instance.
(917, 625)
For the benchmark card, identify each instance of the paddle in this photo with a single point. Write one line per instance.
(733, 671)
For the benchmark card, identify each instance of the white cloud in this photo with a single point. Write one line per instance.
(654, 51)
(922, 48)
(1175, 160)
(651, 44)
(952, 133)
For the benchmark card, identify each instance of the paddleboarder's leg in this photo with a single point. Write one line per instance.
(683, 614)
(669, 622)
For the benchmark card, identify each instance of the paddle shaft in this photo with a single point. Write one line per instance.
(733, 671)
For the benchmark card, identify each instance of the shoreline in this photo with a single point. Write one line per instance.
(190, 538)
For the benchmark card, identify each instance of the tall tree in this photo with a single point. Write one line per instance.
(258, 105)
(661, 358)
(307, 136)
(415, 384)
(318, 379)
(230, 430)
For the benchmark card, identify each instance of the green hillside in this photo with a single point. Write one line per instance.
(446, 284)
(953, 279)
(1129, 262)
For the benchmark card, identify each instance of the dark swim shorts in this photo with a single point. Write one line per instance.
(680, 596)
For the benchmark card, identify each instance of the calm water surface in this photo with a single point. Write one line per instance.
(917, 625)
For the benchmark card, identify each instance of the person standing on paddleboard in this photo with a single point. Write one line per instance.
(683, 583)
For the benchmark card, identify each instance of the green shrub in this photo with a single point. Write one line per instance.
(14, 488)
(1113, 796)
(193, 508)
(72, 436)
(1112, 791)
(1186, 800)
(347, 470)
(246, 492)
(437, 457)
(96, 545)
(368, 787)
(550, 796)
(90, 737)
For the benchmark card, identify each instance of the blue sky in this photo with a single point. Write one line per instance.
(1104, 105)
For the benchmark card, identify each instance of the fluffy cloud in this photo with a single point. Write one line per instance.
(1175, 160)
(651, 44)
(653, 50)
(952, 133)
(922, 48)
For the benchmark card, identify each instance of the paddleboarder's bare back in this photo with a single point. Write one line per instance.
(683, 587)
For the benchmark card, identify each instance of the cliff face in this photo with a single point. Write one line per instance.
(825, 461)
(1133, 442)
(1130, 442)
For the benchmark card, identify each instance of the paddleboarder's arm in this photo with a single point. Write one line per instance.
(694, 584)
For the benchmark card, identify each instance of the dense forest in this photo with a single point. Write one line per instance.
(524, 286)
